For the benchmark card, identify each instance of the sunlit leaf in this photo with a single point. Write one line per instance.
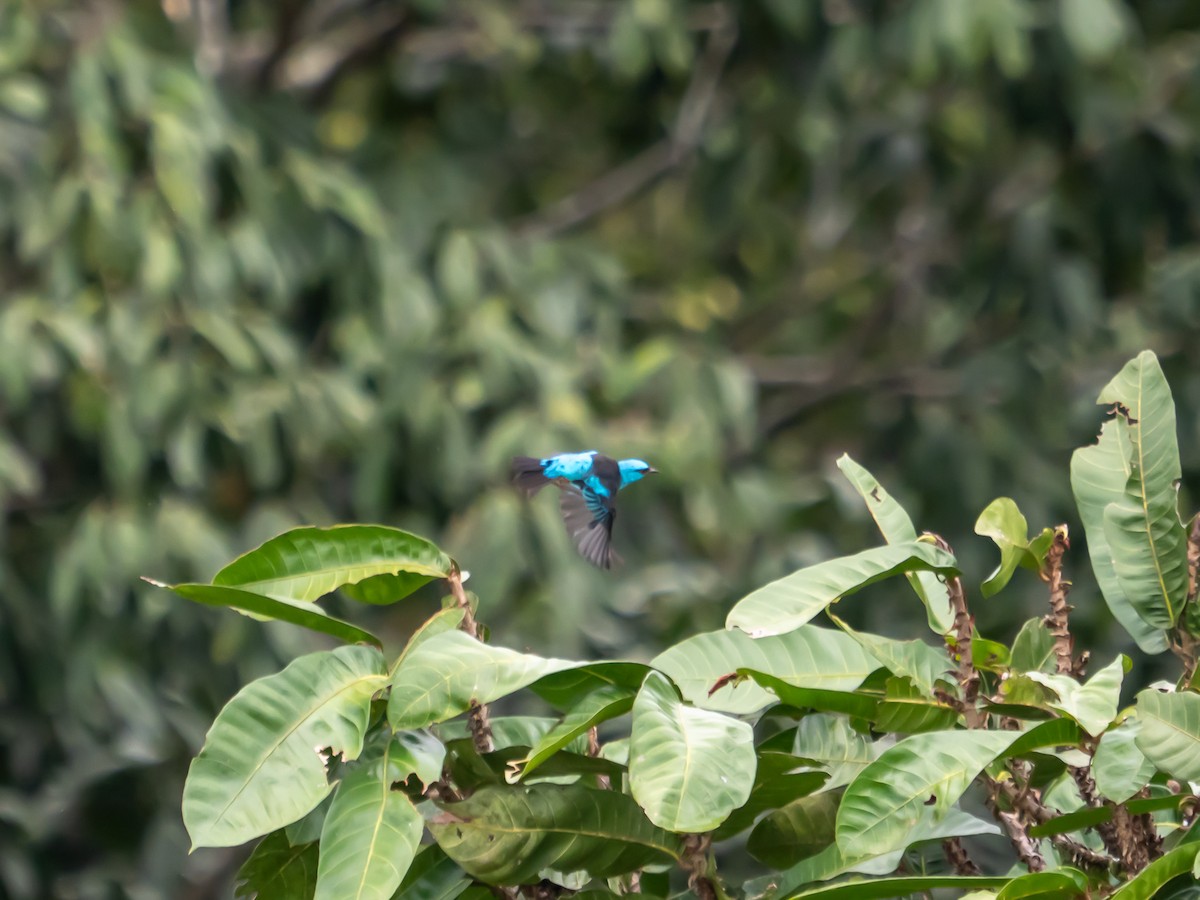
(604, 704)
(1169, 735)
(446, 674)
(897, 528)
(1003, 522)
(688, 768)
(1093, 704)
(915, 660)
(788, 603)
(307, 563)
(1119, 768)
(1033, 648)
(807, 657)
(273, 732)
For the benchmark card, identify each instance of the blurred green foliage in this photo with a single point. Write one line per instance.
(264, 264)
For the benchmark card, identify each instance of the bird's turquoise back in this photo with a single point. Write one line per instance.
(571, 466)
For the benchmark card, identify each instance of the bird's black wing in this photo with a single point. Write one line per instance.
(607, 472)
(589, 519)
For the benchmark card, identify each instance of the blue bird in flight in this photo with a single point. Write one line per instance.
(588, 482)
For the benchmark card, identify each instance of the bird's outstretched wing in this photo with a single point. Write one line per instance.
(589, 519)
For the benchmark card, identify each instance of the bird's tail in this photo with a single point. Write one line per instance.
(527, 474)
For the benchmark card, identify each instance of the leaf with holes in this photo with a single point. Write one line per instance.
(272, 733)
(1142, 527)
(788, 603)
(509, 835)
(1099, 474)
(371, 832)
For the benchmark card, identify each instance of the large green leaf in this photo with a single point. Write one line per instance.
(906, 709)
(372, 832)
(831, 745)
(1099, 474)
(307, 615)
(262, 766)
(897, 528)
(1142, 527)
(278, 871)
(914, 660)
(307, 563)
(1094, 704)
(1063, 884)
(446, 674)
(880, 860)
(508, 835)
(900, 886)
(1003, 522)
(788, 603)
(806, 657)
(819, 699)
(1119, 768)
(688, 768)
(1170, 732)
(934, 768)
(601, 705)
(799, 830)
(1167, 867)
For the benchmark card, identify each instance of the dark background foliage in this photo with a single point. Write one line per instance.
(264, 264)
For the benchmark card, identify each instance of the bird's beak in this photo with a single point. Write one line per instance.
(652, 471)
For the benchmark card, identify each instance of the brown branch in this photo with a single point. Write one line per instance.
(957, 856)
(1185, 647)
(478, 721)
(695, 861)
(619, 184)
(964, 624)
(1057, 620)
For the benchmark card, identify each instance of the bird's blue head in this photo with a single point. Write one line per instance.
(634, 470)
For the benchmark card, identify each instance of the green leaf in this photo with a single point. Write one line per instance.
(272, 733)
(688, 768)
(440, 622)
(433, 876)
(934, 768)
(1170, 732)
(900, 886)
(906, 710)
(914, 660)
(897, 528)
(852, 704)
(446, 674)
(1098, 477)
(801, 829)
(507, 731)
(508, 835)
(788, 603)
(1033, 648)
(829, 743)
(1119, 768)
(267, 608)
(1149, 543)
(1094, 704)
(806, 657)
(307, 563)
(568, 687)
(278, 871)
(372, 832)
(1091, 816)
(831, 862)
(1167, 867)
(1003, 522)
(777, 782)
(1061, 884)
(603, 704)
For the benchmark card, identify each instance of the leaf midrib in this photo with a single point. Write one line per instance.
(1144, 495)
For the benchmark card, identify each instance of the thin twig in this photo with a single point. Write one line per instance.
(632, 176)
